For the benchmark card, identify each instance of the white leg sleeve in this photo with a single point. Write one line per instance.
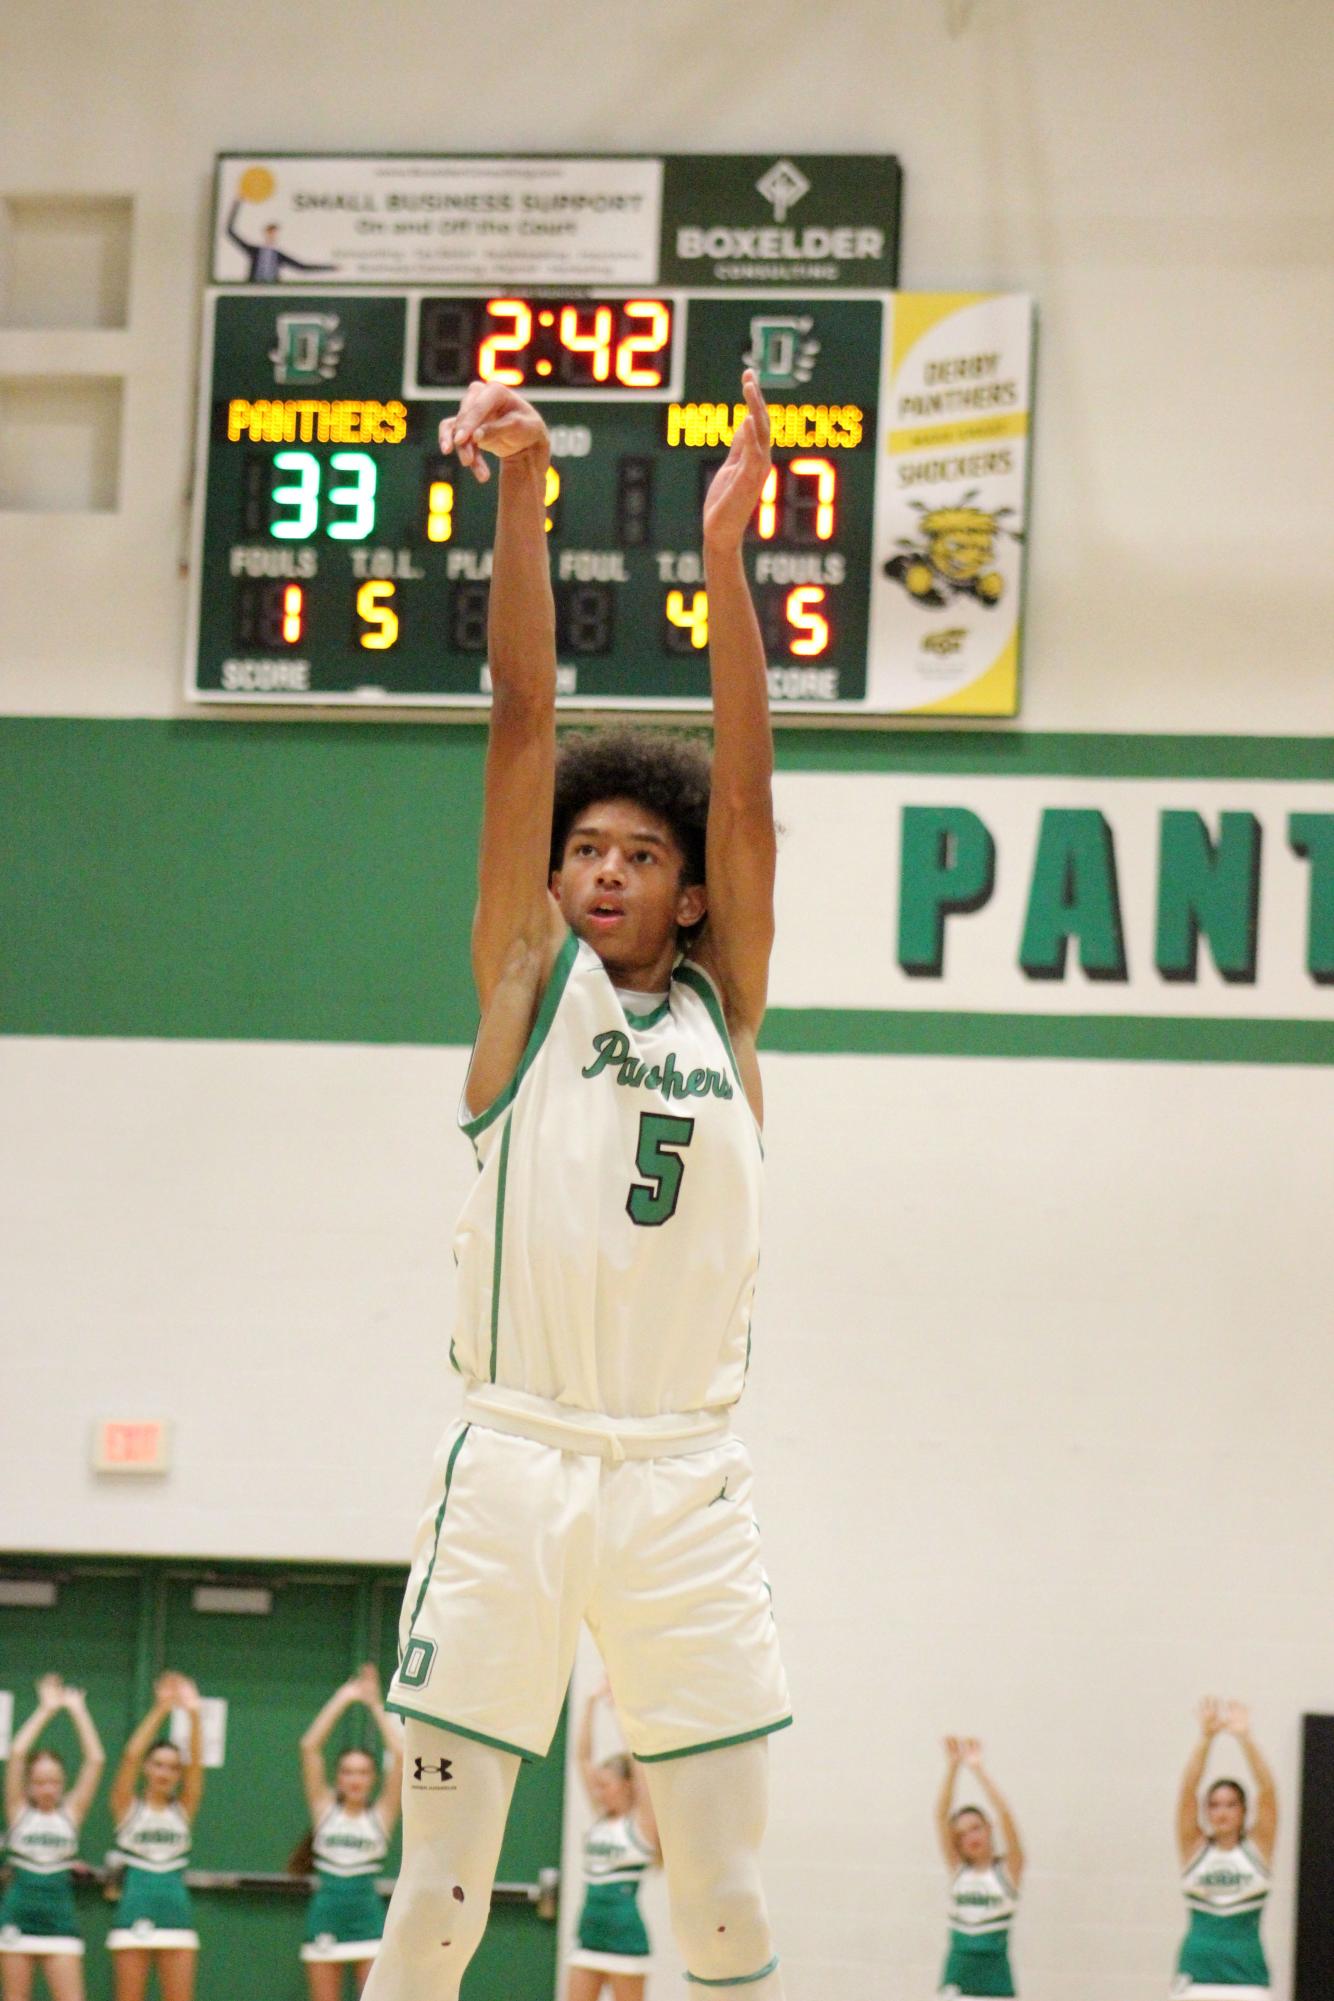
(711, 1811)
(456, 1797)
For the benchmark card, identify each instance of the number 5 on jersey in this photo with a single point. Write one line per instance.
(654, 1199)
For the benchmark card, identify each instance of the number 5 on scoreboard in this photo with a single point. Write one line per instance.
(377, 616)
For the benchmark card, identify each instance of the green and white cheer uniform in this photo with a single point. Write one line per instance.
(345, 1919)
(982, 1907)
(37, 1914)
(153, 1843)
(1222, 1958)
(612, 1938)
(606, 1267)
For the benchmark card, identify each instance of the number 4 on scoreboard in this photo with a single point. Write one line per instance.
(687, 621)
(794, 624)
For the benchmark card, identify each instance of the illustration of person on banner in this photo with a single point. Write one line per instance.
(266, 261)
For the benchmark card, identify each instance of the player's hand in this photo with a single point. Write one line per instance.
(954, 1750)
(493, 418)
(1237, 1719)
(972, 1752)
(76, 1700)
(1211, 1716)
(734, 491)
(166, 1689)
(50, 1691)
(187, 1695)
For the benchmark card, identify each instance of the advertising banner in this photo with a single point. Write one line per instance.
(951, 504)
(527, 219)
(394, 220)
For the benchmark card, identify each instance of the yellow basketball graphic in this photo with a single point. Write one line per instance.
(256, 184)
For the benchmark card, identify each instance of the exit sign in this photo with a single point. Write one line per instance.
(138, 1446)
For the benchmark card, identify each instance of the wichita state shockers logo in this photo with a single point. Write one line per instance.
(955, 554)
(307, 347)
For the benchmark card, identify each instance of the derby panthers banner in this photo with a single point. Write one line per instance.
(946, 604)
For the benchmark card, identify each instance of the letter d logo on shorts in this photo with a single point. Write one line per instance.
(418, 1660)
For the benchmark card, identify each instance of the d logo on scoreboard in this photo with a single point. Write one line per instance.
(782, 351)
(307, 347)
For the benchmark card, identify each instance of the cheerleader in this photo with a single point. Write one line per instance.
(1226, 1868)
(612, 1954)
(155, 1925)
(38, 1926)
(350, 1828)
(984, 1885)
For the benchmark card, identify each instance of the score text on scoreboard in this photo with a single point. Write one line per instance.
(340, 559)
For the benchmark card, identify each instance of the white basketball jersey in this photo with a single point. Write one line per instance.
(1226, 1881)
(982, 1900)
(43, 1843)
(613, 1851)
(607, 1255)
(155, 1838)
(350, 1844)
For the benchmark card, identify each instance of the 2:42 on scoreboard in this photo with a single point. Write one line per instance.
(340, 559)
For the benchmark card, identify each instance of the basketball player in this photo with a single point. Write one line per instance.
(606, 1263)
(984, 1884)
(1226, 1868)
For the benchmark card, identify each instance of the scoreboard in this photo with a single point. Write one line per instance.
(339, 559)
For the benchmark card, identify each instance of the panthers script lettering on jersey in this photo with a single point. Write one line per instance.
(614, 1051)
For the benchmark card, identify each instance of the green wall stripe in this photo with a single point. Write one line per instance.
(313, 882)
(1136, 1038)
(304, 883)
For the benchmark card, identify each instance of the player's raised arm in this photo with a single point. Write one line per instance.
(741, 845)
(517, 928)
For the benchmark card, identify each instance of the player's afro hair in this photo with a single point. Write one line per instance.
(667, 775)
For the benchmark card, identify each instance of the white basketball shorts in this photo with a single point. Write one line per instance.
(520, 1540)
